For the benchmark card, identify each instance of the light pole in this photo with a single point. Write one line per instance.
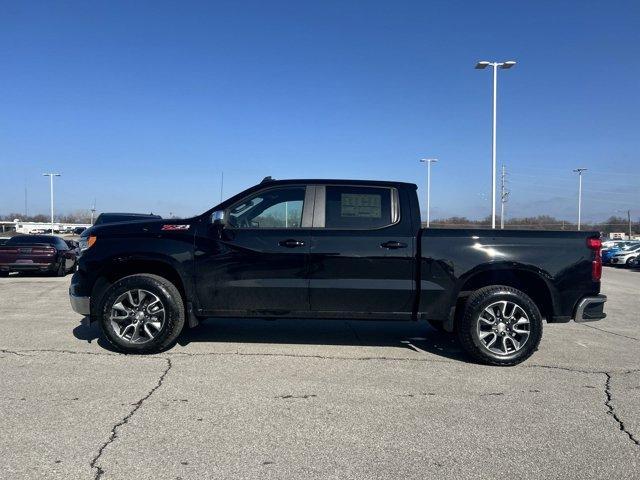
(504, 194)
(51, 175)
(428, 161)
(628, 212)
(579, 172)
(93, 210)
(481, 66)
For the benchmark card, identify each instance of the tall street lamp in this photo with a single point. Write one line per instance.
(428, 161)
(51, 175)
(579, 172)
(481, 66)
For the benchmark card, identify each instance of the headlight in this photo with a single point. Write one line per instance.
(87, 242)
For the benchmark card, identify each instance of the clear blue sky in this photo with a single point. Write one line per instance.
(142, 104)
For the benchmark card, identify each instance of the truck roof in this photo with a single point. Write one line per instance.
(334, 181)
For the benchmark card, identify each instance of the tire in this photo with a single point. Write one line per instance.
(628, 262)
(62, 271)
(522, 325)
(149, 337)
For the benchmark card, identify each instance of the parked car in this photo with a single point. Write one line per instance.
(37, 253)
(623, 257)
(614, 244)
(73, 245)
(607, 254)
(335, 249)
(78, 230)
(124, 217)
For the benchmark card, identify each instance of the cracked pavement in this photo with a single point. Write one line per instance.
(313, 399)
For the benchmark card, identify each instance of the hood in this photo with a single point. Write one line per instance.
(141, 227)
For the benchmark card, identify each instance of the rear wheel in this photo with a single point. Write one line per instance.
(62, 271)
(141, 313)
(500, 326)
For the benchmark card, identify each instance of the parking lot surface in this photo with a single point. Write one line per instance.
(313, 399)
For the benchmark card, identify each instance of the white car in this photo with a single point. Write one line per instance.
(615, 244)
(623, 257)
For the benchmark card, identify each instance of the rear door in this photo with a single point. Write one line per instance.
(362, 253)
(257, 263)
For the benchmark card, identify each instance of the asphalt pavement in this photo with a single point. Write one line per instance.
(304, 399)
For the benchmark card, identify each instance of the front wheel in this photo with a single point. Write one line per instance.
(141, 313)
(500, 326)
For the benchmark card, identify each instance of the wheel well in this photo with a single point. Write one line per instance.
(124, 269)
(528, 282)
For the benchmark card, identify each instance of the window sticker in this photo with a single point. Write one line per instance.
(360, 205)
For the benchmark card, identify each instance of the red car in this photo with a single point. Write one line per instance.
(38, 253)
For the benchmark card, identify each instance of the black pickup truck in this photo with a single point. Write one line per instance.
(344, 249)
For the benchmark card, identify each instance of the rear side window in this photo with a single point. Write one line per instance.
(358, 207)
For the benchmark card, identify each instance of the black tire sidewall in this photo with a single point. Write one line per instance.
(477, 303)
(168, 294)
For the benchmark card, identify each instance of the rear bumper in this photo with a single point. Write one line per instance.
(27, 267)
(79, 304)
(590, 309)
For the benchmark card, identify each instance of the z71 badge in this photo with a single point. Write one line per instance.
(175, 227)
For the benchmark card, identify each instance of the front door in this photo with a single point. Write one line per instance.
(362, 254)
(256, 264)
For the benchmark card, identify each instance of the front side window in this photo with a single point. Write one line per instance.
(357, 207)
(275, 208)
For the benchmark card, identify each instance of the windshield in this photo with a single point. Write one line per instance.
(29, 239)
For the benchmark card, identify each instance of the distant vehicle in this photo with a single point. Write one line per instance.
(78, 230)
(37, 253)
(72, 244)
(608, 254)
(124, 217)
(615, 244)
(624, 257)
(347, 249)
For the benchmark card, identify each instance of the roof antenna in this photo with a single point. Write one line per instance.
(267, 179)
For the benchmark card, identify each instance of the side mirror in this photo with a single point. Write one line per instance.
(217, 217)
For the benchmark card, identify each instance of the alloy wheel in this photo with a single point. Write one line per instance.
(503, 327)
(137, 316)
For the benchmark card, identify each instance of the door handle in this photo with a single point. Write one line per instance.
(393, 245)
(291, 243)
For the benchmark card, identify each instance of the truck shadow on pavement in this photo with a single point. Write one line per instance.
(418, 337)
